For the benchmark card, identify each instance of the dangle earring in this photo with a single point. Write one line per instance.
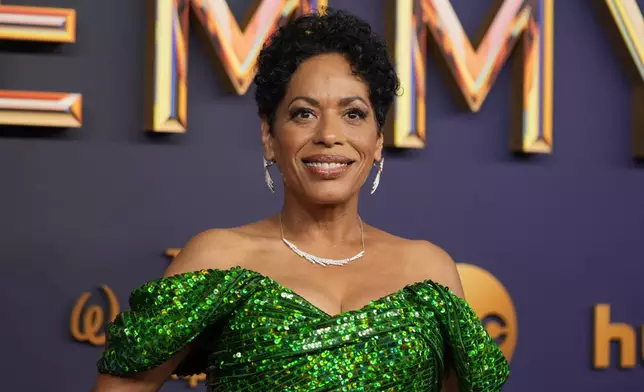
(376, 181)
(267, 175)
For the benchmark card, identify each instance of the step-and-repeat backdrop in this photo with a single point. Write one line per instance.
(518, 146)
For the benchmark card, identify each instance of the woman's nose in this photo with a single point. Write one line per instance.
(328, 133)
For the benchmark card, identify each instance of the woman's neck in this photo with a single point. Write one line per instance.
(332, 224)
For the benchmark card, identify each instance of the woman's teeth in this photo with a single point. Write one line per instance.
(325, 165)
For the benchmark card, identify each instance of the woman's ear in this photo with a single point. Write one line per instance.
(267, 140)
(379, 145)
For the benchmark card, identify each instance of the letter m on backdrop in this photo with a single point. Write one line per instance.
(475, 67)
(234, 48)
(625, 22)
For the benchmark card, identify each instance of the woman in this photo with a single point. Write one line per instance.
(312, 299)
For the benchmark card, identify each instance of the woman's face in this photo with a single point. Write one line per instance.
(325, 136)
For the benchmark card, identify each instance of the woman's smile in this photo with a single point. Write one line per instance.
(327, 167)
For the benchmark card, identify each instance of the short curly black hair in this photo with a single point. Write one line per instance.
(331, 31)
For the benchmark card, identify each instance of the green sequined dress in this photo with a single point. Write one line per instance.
(252, 334)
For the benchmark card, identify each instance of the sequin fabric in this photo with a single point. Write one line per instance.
(250, 333)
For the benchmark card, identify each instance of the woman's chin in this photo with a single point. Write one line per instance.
(330, 195)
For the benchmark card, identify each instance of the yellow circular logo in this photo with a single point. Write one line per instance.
(492, 303)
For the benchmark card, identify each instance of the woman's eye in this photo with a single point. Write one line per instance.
(356, 114)
(302, 113)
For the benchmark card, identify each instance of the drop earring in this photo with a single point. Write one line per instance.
(376, 181)
(267, 175)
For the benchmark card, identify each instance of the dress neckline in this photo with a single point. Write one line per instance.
(308, 303)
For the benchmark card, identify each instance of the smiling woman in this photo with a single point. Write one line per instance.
(324, 135)
(257, 307)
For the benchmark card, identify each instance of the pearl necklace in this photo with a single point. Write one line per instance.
(321, 260)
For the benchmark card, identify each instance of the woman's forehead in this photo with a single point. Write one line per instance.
(328, 76)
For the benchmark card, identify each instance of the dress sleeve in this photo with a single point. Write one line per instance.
(479, 363)
(166, 315)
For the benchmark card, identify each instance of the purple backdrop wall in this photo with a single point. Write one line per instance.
(99, 205)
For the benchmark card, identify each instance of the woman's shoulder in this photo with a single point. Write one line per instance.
(203, 284)
(421, 259)
(218, 248)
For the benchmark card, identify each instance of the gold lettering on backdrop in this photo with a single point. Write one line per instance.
(34, 108)
(605, 332)
(233, 48)
(40, 24)
(625, 24)
(192, 381)
(85, 327)
(172, 252)
(474, 70)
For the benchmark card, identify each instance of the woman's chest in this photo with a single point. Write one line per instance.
(336, 291)
(277, 319)
(272, 332)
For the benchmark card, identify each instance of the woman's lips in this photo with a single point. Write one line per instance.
(327, 170)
